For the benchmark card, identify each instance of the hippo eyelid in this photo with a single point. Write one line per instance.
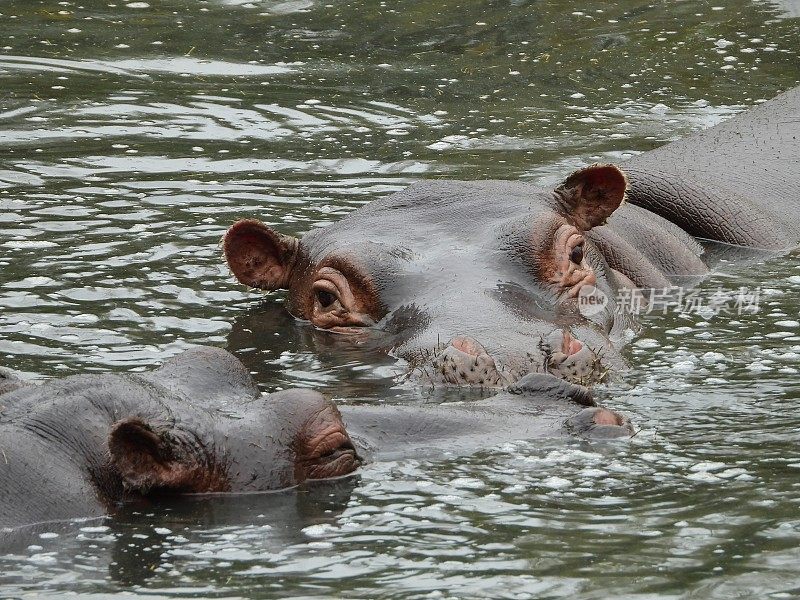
(354, 286)
(336, 283)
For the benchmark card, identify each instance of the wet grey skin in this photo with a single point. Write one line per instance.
(79, 446)
(474, 283)
(538, 406)
(82, 446)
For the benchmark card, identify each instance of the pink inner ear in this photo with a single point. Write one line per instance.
(604, 183)
(590, 195)
(257, 255)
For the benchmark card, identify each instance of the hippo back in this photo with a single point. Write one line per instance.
(737, 182)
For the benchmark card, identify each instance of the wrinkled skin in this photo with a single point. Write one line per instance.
(475, 283)
(78, 446)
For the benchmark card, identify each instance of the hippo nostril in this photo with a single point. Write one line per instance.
(568, 344)
(468, 345)
(571, 345)
(607, 417)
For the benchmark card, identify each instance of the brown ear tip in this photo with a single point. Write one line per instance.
(248, 224)
(608, 172)
(246, 228)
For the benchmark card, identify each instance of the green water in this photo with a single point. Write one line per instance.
(132, 135)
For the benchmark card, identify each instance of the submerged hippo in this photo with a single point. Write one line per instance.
(475, 283)
(76, 447)
(82, 445)
(538, 406)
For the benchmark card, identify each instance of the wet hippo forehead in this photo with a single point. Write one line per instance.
(406, 243)
(461, 272)
(432, 211)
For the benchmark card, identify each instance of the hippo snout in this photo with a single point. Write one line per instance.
(464, 361)
(600, 423)
(570, 358)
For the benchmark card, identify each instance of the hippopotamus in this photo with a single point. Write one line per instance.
(538, 406)
(79, 446)
(478, 283)
(84, 445)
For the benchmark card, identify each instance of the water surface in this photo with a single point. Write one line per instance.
(133, 133)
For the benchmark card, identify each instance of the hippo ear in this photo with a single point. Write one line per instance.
(590, 195)
(147, 459)
(260, 257)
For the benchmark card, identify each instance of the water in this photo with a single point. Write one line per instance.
(133, 135)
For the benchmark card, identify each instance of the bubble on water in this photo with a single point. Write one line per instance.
(97, 529)
(468, 483)
(708, 466)
(45, 558)
(679, 330)
(556, 483)
(757, 366)
(703, 477)
(683, 366)
(320, 530)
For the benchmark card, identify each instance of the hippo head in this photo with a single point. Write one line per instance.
(473, 283)
(277, 441)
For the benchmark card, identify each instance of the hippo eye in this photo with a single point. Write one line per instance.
(325, 298)
(576, 255)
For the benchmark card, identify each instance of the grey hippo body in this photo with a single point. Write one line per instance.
(84, 445)
(78, 446)
(538, 406)
(477, 282)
